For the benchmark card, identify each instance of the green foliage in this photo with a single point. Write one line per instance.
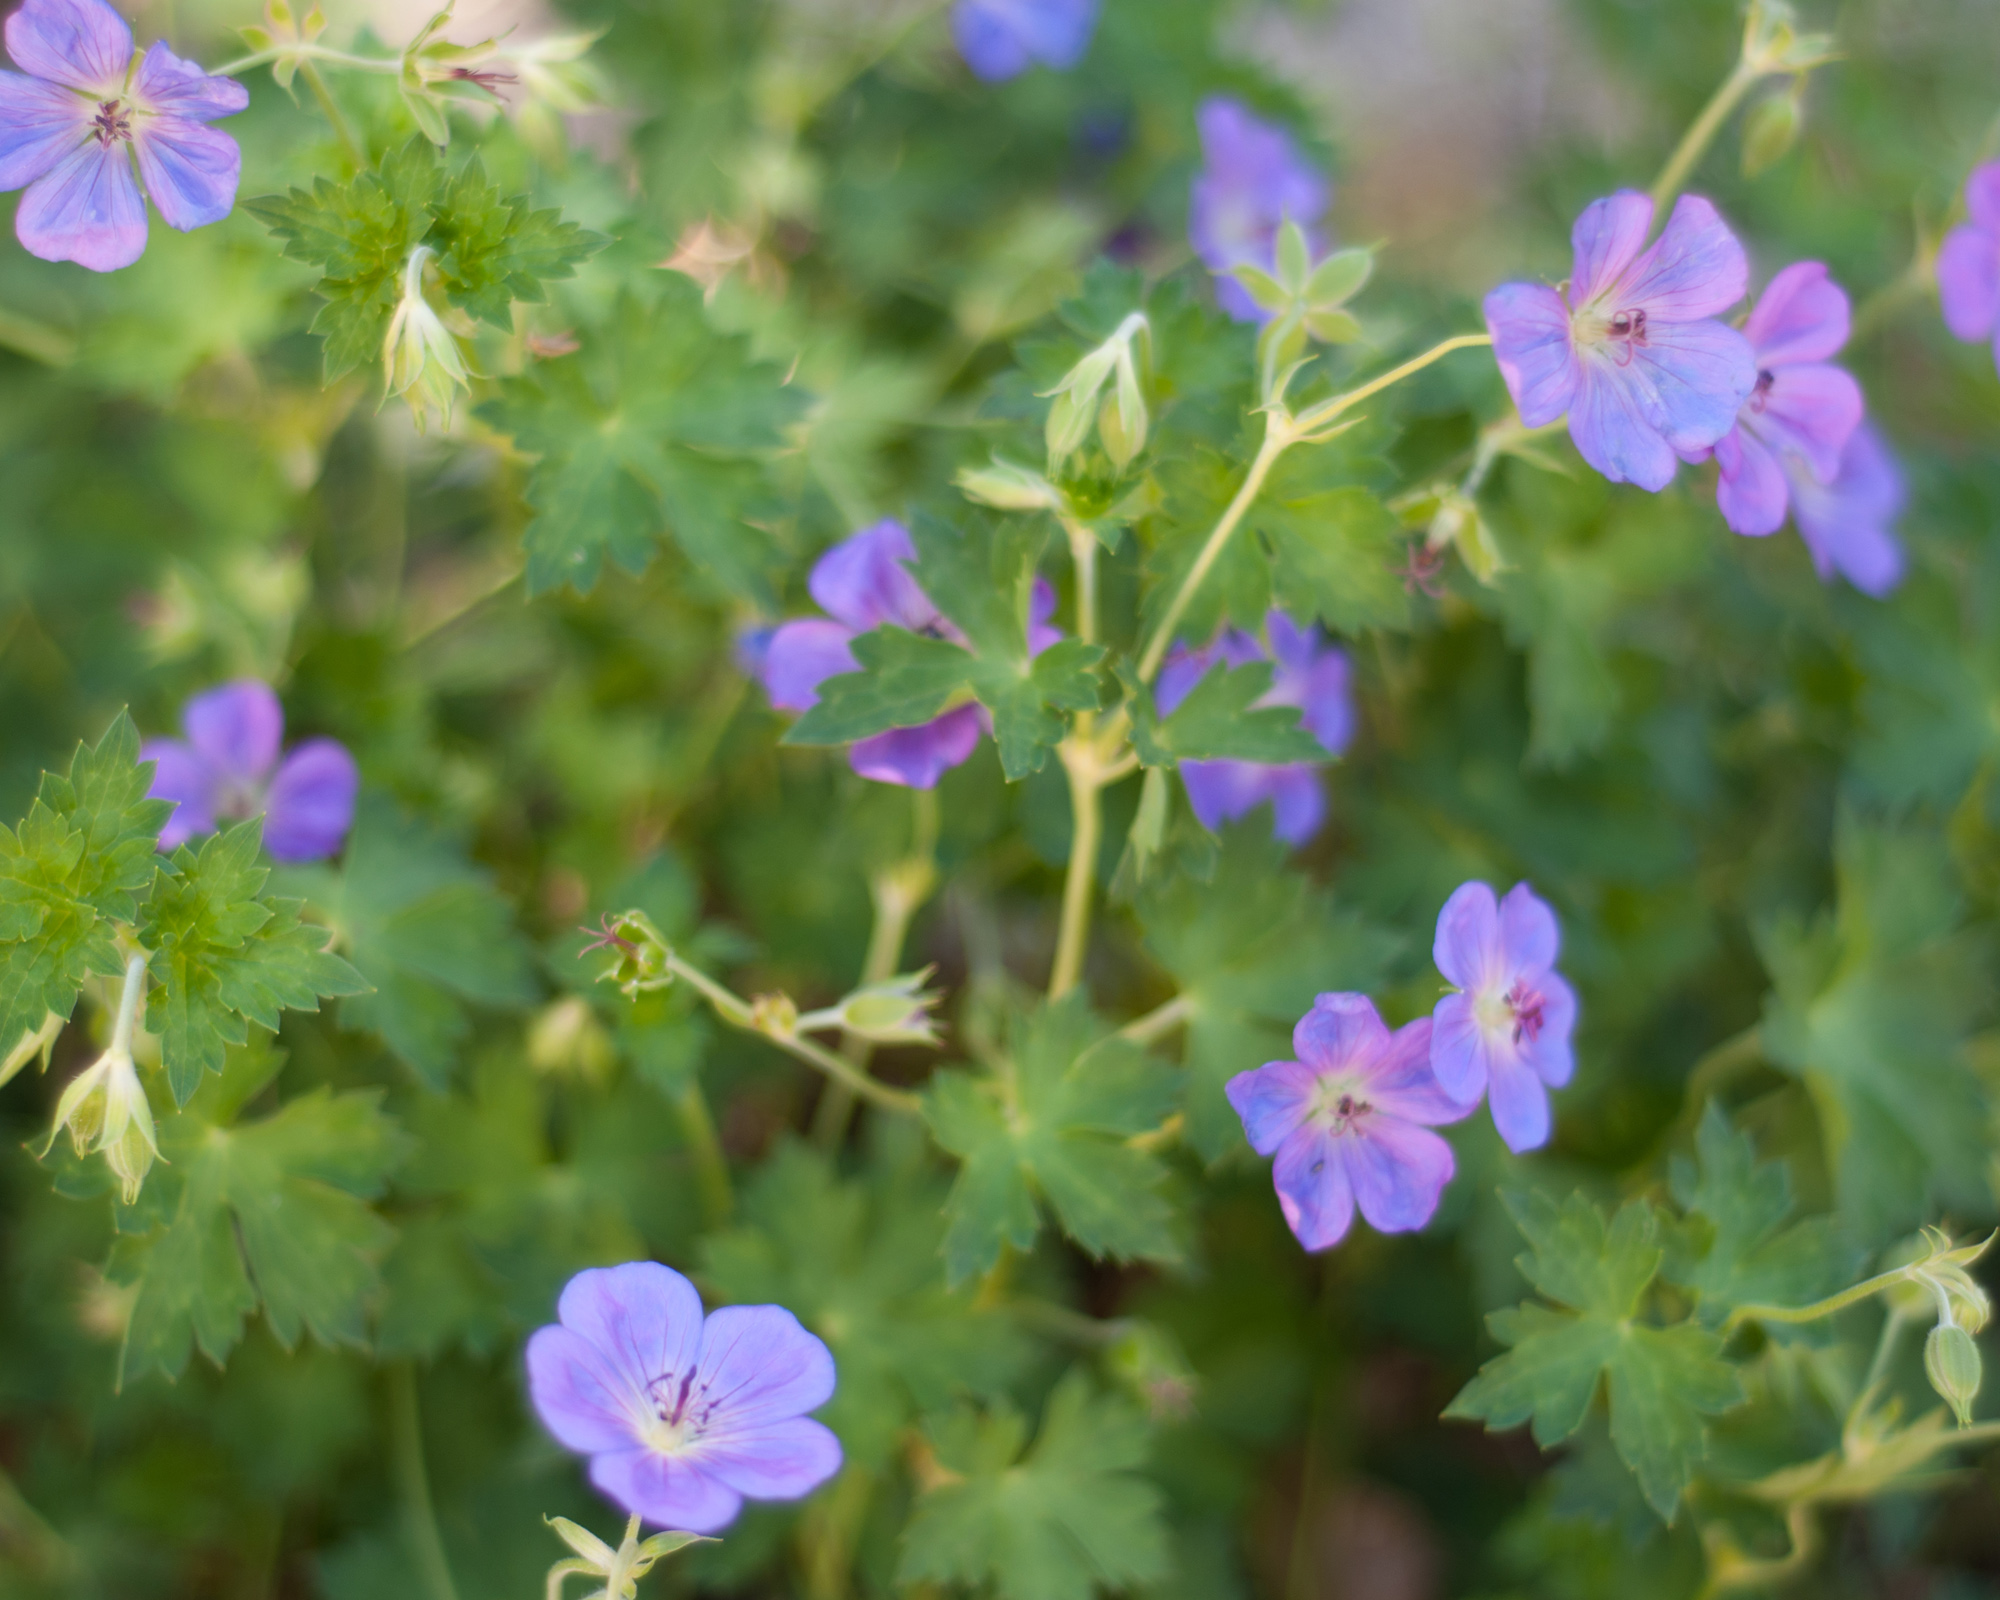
(1217, 722)
(1050, 1119)
(1661, 1381)
(650, 430)
(80, 862)
(1052, 1521)
(226, 955)
(490, 251)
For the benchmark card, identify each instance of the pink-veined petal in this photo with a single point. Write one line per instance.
(778, 1461)
(1398, 1170)
(1802, 315)
(1696, 268)
(1459, 1050)
(87, 209)
(1310, 1175)
(580, 1392)
(40, 123)
(1530, 326)
(1605, 240)
(645, 1317)
(81, 44)
(237, 727)
(1848, 525)
(190, 170)
(1341, 1030)
(1529, 935)
(1810, 409)
(1550, 1053)
(1466, 946)
(1968, 280)
(1272, 1101)
(1519, 1102)
(1610, 430)
(667, 1491)
(1691, 379)
(1751, 490)
(1401, 1082)
(165, 82)
(759, 1365)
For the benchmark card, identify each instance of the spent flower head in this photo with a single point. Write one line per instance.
(683, 1416)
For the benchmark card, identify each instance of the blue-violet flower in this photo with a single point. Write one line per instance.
(1505, 1031)
(1312, 675)
(1349, 1122)
(1968, 263)
(684, 1417)
(1628, 347)
(223, 771)
(1252, 181)
(86, 111)
(1002, 38)
(1849, 523)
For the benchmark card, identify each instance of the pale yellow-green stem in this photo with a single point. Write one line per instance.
(711, 1167)
(1702, 131)
(1086, 790)
(342, 130)
(1315, 419)
(1161, 1019)
(413, 1488)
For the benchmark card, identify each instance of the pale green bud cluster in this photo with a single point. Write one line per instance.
(619, 1570)
(105, 1107)
(1942, 1272)
(420, 355)
(1121, 418)
(1305, 301)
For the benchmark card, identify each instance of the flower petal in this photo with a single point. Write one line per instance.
(1519, 1103)
(779, 1461)
(1692, 379)
(1530, 326)
(667, 1491)
(1341, 1031)
(1604, 241)
(1466, 946)
(645, 1318)
(40, 123)
(1696, 268)
(1810, 409)
(1550, 1052)
(1000, 38)
(190, 170)
(1529, 936)
(1252, 180)
(916, 758)
(1272, 1101)
(1982, 195)
(1968, 280)
(1610, 430)
(87, 209)
(1848, 524)
(180, 775)
(1401, 1083)
(1312, 675)
(237, 728)
(759, 1366)
(81, 44)
(310, 806)
(1460, 1055)
(580, 1393)
(800, 657)
(862, 581)
(165, 82)
(1310, 1175)
(1751, 491)
(1398, 1171)
(1802, 315)
(1298, 802)
(1041, 607)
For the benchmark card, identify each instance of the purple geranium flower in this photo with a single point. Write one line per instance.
(1849, 523)
(1252, 181)
(861, 583)
(1003, 38)
(1627, 347)
(683, 1417)
(1312, 675)
(1506, 1031)
(1350, 1122)
(88, 109)
(1968, 264)
(223, 772)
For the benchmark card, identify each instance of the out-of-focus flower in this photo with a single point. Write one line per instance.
(1505, 1030)
(224, 771)
(1001, 39)
(1252, 181)
(1349, 1122)
(862, 583)
(1968, 264)
(88, 107)
(1849, 523)
(1629, 348)
(1310, 674)
(684, 1417)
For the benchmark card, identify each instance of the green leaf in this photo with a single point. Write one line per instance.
(269, 1213)
(1661, 1382)
(646, 432)
(226, 956)
(1334, 555)
(1050, 1122)
(77, 865)
(427, 932)
(1248, 949)
(494, 251)
(1054, 1522)
(1217, 722)
(1734, 1248)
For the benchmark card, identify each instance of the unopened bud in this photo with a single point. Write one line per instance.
(895, 1011)
(1772, 128)
(1122, 420)
(775, 1014)
(1006, 487)
(105, 1107)
(420, 357)
(1951, 1361)
(33, 1042)
(567, 1038)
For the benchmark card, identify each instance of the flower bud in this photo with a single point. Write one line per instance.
(1006, 487)
(1772, 128)
(895, 1011)
(775, 1014)
(421, 359)
(1951, 1360)
(566, 1038)
(106, 1112)
(33, 1042)
(1121, 420)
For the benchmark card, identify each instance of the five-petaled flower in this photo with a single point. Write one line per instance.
(1252, 181)
(683, 1417)
(89, 108)
(1505, 1030)
(1002, 38)
(1312, 675)
(1968, 263)
(862, 583)
(223, 771)
(1350, 1121)
(1628, 347)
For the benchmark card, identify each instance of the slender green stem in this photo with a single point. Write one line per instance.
(128, 1004)
(1820, 1308)
(1885, 1346)
(1161, 1019)
(305, 52)
(1083, 556)
(1315, 418)
(406, 1426)
(711, 1167)
(35, 340)
(1702, 131)
(1086, 791)
(341, 128)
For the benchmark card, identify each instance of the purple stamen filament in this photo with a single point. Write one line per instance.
(112, 121)
(1526, 1004)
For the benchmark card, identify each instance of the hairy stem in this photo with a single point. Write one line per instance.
(406, 1427)
(1315, 418)
(1702, 131)
(1820, 1308)
(1083, 556)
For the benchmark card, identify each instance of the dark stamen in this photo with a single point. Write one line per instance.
(606, 935)
(112, 122)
